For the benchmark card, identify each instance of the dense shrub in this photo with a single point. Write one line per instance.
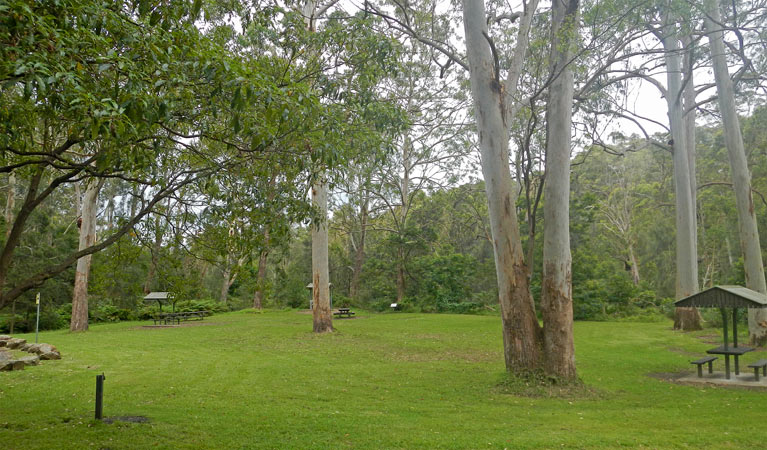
(201, 305)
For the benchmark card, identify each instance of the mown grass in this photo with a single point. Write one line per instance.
(245, 380)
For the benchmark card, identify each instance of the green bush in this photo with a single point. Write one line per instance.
(201, 305)
(49, 320)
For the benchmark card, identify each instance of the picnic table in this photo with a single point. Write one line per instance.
(728, 351)
(177, 317)
(344, 312)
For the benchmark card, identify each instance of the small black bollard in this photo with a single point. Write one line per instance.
(99, 395)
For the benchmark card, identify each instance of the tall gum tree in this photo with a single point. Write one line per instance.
(686, 259)
(741, 177)
(557, 289)
(88, 216)
(522, 335)
(322, 319)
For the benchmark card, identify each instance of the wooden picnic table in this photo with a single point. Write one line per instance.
(344, 312)
(177, 317)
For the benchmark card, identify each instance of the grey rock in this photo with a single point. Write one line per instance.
(33, 348)
(11, 364)
(32, 360)
(15, 343)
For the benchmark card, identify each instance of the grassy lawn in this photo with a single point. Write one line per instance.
(246, 380)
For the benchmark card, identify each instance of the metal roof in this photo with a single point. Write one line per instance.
(725, 297)
(158, 296)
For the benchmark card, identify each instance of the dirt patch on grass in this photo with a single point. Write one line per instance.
(182, 325)
(668, 376)
(710, 338)
(128, 419)
(539, 385)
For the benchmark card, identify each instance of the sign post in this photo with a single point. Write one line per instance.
(37, 323)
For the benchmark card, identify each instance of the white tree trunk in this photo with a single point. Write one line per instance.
(686, 259)
(259, 296)
(741, 177)
(521, 332)
(79, 320)
(226, 280)
(689, 127)
(321, 314)
(557, 290)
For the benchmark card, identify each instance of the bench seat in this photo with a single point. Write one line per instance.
(761, 364)
(699, 362)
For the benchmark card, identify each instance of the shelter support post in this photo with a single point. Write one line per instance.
(724, 327)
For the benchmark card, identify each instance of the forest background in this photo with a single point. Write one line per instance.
(201, 152)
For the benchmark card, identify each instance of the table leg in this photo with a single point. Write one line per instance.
(737, 368)
(727, 366)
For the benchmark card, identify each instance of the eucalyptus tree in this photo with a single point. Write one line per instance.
(138, 83)
(497, 100)
(741, 177)
(432, 146)
(345, 74)
(670, 34)
(87, 224)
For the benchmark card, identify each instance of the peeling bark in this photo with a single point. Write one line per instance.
(321, 315)
(79, 320)
(557, 290)
(522, 335)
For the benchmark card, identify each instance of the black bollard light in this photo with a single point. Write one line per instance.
(99, 395)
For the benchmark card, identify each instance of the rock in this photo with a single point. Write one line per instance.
(4, 355)
(15, 343)
(47, 351)
(32, 348)
(11, 364)
(32, 360)
(51, 355)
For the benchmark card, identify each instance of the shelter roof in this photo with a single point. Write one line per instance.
(158, 296)
(725, 297)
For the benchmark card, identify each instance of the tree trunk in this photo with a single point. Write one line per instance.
(321, 314)
(689, 129)
(78, 200)
(634, 265)
(359, 253)
(522, 336)
(686, 259)
(741, 177)
(156, 246)
(259, 297)
(225, 283)
(404, 211)
(14, 237)
(557, 288)
(10, 203)
(79, 320)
